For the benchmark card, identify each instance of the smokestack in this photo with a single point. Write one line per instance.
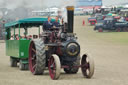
(70, 18)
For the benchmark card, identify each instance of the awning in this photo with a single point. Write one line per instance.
(28, 22)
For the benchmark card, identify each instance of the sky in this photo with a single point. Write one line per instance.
(113, 2)
(12, 4)
(47, 3)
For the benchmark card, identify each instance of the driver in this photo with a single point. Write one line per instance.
(56, 22)
(48, 24)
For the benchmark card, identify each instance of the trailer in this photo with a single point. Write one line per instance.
(17, 47)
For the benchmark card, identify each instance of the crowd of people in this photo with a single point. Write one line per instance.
(17, 37)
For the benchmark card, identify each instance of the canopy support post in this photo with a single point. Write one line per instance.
(14, 32)
(19, 31)
(39, 31)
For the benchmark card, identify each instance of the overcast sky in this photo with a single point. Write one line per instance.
(11, 4)
(113, 2)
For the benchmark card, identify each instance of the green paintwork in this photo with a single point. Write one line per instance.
(17, 48)
(20, 48)
(25, 61)
(8, 35)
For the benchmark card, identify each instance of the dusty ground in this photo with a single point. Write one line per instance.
(111, 66)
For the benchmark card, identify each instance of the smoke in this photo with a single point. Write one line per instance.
(12, 4)
(12, 9)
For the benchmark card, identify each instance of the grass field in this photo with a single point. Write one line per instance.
(114, 37)
(110, 37)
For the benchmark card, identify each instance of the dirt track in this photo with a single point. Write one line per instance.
(111, 64)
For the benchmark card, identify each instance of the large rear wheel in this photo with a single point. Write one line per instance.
(37, 57)
(54, 67)
(87, 66)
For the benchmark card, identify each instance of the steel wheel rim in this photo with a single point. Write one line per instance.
(52, 67)
(32, 57)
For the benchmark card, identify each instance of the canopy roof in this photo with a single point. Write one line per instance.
(28, 22)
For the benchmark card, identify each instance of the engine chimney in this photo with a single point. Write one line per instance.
(70, 18)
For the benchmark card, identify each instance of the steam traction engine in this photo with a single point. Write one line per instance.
(57, 48)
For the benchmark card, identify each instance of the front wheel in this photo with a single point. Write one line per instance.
(54, 67)
(87, 66)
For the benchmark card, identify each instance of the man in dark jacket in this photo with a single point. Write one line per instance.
(56, 22)
(48, 24)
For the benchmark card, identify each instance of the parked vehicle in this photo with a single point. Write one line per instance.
(94, 19)
(112, 24)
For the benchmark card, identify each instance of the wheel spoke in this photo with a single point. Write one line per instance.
(54, 71)
(33, 57)
(87, 65)
(52, 61)
(34, 66)
(52, 66)
(33, 50)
